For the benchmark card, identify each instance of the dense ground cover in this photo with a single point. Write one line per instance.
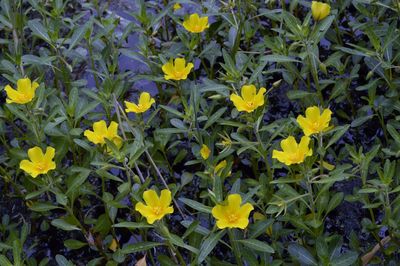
(199, 132)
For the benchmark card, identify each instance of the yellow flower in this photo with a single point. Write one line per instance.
(25, 91)
(145, 102)
(101, 132)
(205, 152)
(320, 10)
(232, 215)
(177, 6)
(196, 24)
(219, 167)
(293, 153)
(177, 70)
(156, 207)
(314, 122)
(38, 162)
(250, 99)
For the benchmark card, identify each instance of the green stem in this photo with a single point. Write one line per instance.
(181, 96)
(321, 154)
(235, 247)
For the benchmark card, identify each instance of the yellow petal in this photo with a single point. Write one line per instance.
(35, 85)
(144, 210)
(169, 210)
(303, 145)
(246, 209)
(289, 145)
(305, 125)
(168, 68)
(28, 167)
(24, 85)
(177, 6)
(144, 98)
(239, 103)
(151, 198)
(218, 212)
(325, 117)
(165, 197)
(248, 93)
(131, 107)
(221, 224)
(205, 152)
(112, 130)
(204, 22)
(188, 68)
(234, 200)
(100, 128)
(35, 154)
(49, 155)
(180, 64)
(242, 223)
(259, 98)
(280, 156)
(13, 95)
(313, 114)
(93, 137)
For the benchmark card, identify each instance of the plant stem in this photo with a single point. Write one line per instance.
(235, 247)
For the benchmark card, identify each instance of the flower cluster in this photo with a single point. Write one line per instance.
(314, 123)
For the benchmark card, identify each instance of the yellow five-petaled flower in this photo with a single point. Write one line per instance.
(233, 214)
(38, 162)
(24, 93)
(205, 152)
(293, 153)
(320, 10)
(315, 121)
(250, 99)
(177, 69)
(144, 104)
(100, 133)
(156, 207)
(196, 24)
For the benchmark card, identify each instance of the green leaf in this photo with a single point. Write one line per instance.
(42, 207)
(79, 33)
(138, 247)
(62, 261)
(340, 131)
(78, 180)
(74, 244)
(346, 259)
(394, 133)
(257, 245)
(276, 58)
(208, 245)
(4, 261)
(361, 120)
(301, 254)
(196, 205)
(215, 117)
(299, 94)
(132, 225)
(63, 225)
(39, 30)
(335, 201)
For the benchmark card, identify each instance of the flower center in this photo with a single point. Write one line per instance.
(157, 210)
(40, 166)
(178, 74)
(250, 105)
(296, 157)
(232, 218)
(315, 125)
